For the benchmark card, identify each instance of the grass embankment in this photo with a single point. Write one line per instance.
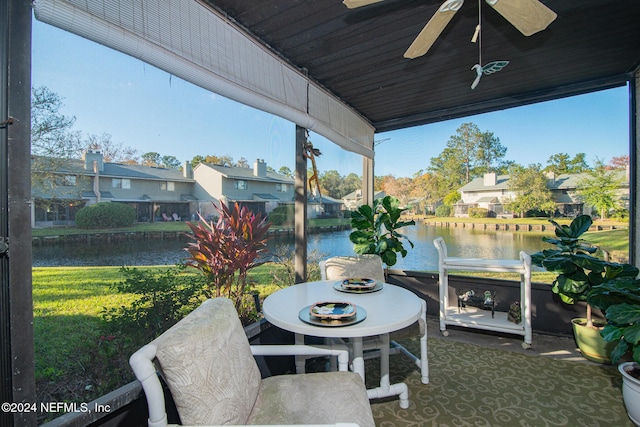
(607, 223)
(67, 302)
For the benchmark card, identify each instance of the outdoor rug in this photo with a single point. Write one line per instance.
(476, 386)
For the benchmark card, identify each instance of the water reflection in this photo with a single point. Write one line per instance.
(462, 242)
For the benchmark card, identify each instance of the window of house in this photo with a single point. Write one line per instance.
(168, 186)
(241, 184)
(120, 183)
(66, 180)
(282, 188)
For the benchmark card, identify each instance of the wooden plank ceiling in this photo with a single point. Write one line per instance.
(358, 53)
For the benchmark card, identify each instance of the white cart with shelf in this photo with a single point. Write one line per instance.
(473, 317)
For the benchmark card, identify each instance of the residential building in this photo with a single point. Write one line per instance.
(323, 207)
(492, 192)
(257, 188)
(354, 199)
(157, 193)
(152, 191)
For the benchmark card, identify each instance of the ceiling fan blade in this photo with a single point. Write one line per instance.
(352, 4)
(432, 30)
(528, 16)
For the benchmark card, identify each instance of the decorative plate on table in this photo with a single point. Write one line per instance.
(305, 315)
(332, 310)
(357, 285)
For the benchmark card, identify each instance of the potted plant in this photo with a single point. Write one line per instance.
(620, 301)
(376, 230)
(579, 271)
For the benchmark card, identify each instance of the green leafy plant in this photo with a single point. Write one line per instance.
(478, 213)
(579, 271)
(376, 230)
(283, 271)
(225, 250)
(161, 299)
(620, 301)
(282, 215)
(443, 211)
(105, 215)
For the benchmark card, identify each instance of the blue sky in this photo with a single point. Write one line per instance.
(150, 110)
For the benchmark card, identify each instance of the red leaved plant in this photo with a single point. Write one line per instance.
(225, 250)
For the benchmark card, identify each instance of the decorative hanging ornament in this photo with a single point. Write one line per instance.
(310, 152)
(487, 69)
(491, 67)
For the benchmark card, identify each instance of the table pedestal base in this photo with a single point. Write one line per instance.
(386, 389)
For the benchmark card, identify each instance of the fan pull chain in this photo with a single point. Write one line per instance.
(476, 34)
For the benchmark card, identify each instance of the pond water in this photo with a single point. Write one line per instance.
(462, 242)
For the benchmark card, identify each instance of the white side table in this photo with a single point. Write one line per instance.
(473, 317)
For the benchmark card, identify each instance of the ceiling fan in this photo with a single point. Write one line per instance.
(528, 16)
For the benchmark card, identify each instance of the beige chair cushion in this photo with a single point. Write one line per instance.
(344, 267)
(328, 397)
(208, 366)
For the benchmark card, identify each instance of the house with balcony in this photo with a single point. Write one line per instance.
(492, 192)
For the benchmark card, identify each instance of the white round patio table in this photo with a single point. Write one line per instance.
(389, 309)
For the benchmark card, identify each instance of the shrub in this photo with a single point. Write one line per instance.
(105, 215)
(478, 212)
(163, 298)
(443, 211)
(285, 275)
(282, 215)
(537, 213)
(620, 214)
(451, 198)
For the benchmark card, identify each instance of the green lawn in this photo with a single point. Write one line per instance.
(67, 302)
(611, 240)
(67, 307)
(138, 227)
(532, 221)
